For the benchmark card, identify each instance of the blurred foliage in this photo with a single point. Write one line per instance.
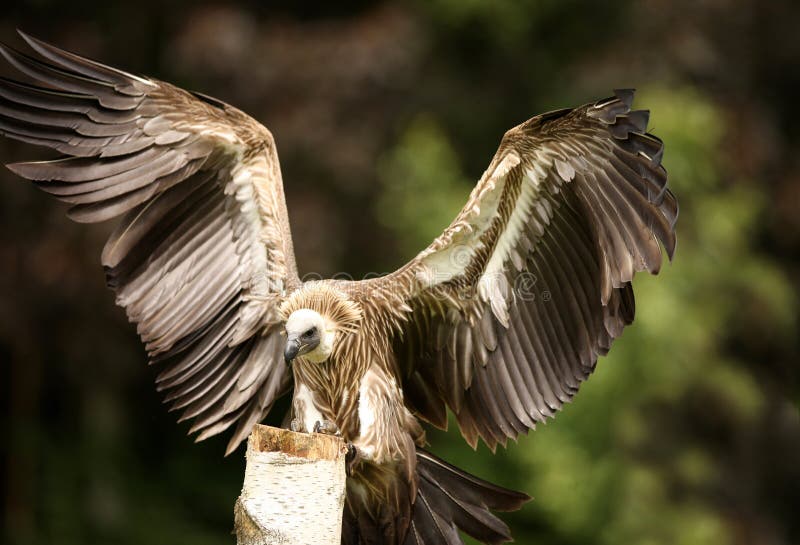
(423, 162)
(384, 116)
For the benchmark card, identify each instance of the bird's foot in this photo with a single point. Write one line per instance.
(327, 427)
(351, 458)
(295, 425)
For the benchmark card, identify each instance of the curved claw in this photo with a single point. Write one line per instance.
(352, 458)
(327, 427)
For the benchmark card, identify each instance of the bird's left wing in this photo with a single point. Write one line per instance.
(508, 310)
(202, 256)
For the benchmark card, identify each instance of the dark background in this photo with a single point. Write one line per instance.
(385, 115)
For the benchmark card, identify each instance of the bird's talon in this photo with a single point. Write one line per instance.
(294, 425)
(351, 458)
(327, 427)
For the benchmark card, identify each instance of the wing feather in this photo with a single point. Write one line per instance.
(534, 273)
(202, 255)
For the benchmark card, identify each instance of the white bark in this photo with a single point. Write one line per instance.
(294, 488)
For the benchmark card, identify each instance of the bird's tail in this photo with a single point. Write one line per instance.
(449, 500)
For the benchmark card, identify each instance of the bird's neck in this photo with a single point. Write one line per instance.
(333, 385)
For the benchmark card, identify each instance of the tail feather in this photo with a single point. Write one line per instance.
(429, 528)
(449, 500)
(475, 520)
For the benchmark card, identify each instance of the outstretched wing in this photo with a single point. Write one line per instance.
(512, 305)
(202, 255)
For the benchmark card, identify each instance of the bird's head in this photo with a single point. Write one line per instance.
(309, 335)
(317, 316)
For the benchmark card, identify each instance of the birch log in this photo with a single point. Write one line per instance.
(293, 492)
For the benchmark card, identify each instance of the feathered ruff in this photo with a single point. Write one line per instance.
(334, 305)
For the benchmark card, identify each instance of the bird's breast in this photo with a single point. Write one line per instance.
(306, 409)
(324, 393)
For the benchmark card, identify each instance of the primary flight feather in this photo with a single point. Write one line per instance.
(499, 320)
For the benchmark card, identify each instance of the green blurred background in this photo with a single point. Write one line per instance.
(385, 115)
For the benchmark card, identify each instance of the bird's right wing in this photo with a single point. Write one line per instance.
(202, 256)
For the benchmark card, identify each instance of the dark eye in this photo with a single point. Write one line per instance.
(310, 332)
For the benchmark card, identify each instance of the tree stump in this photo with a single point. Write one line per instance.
(294, 489)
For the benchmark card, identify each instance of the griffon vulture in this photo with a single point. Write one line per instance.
(202, 261)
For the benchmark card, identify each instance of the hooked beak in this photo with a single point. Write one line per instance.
(299, 344)
(292, 349)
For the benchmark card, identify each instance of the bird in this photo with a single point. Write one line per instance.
(497, 322)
